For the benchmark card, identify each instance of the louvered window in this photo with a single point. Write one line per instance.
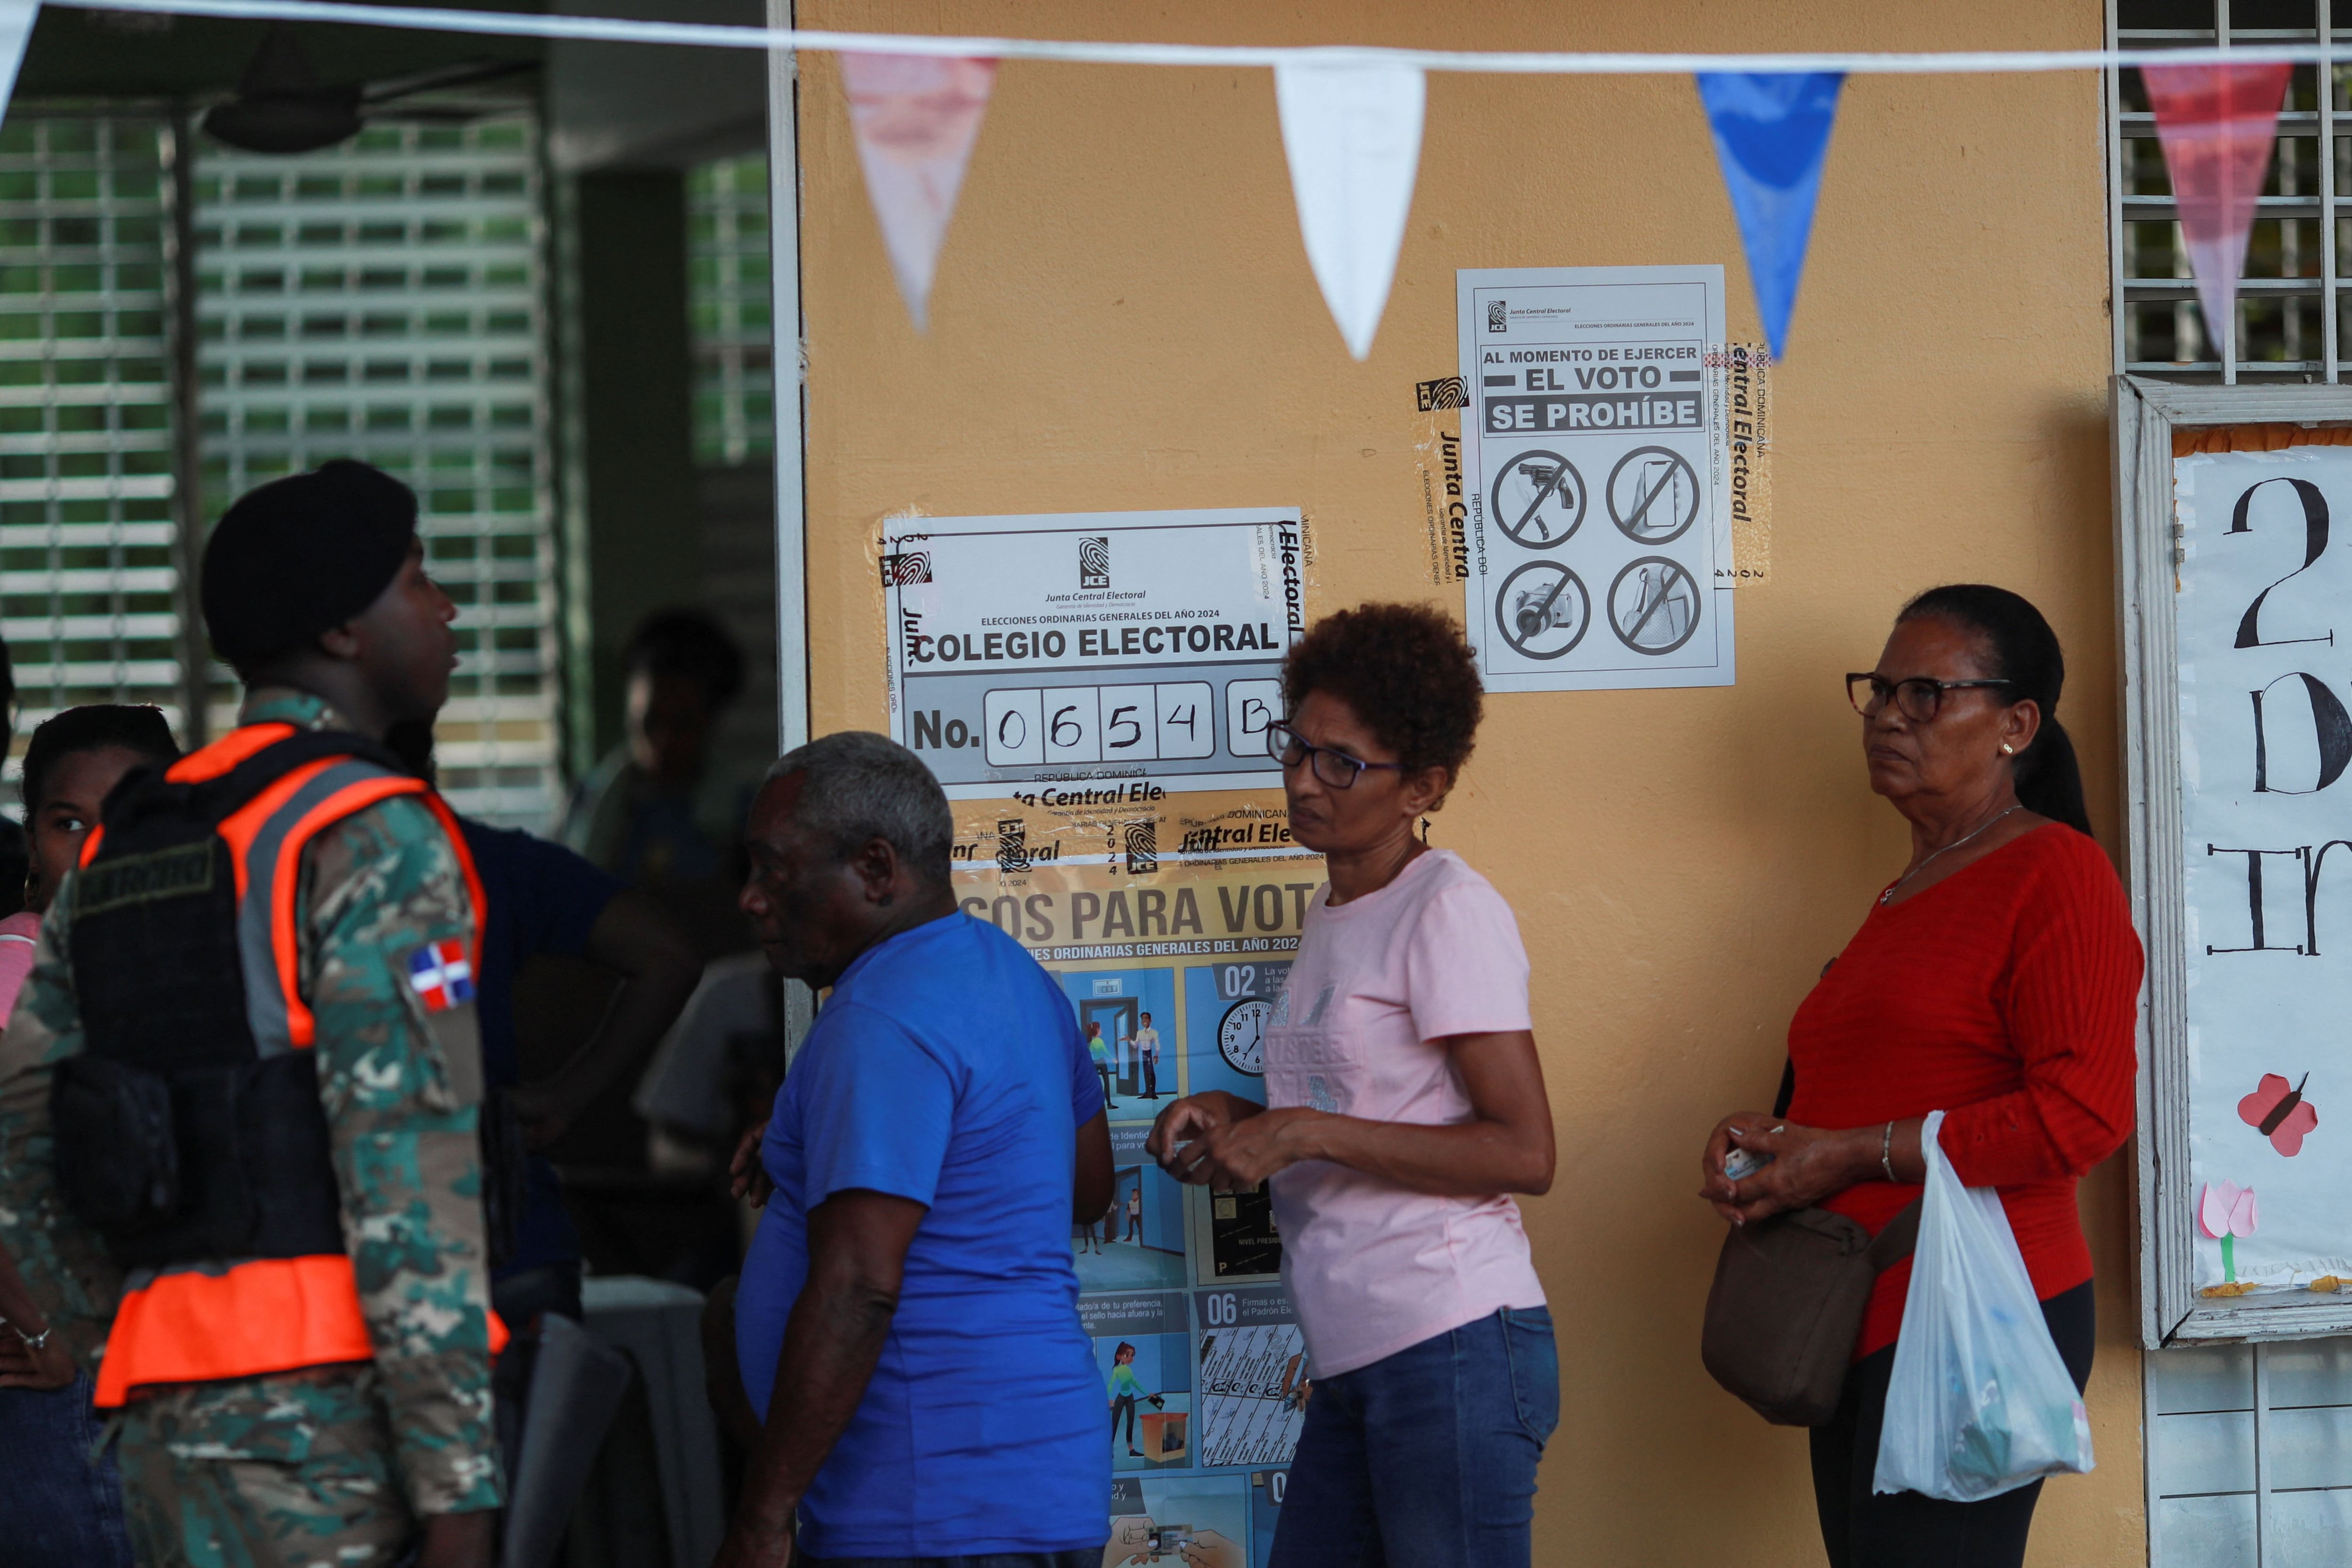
(383, 300)
(729, 311)
(89, 601)
(2289, 323)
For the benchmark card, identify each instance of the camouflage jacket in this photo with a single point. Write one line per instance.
(402, 1088)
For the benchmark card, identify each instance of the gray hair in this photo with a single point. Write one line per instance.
(861, 786)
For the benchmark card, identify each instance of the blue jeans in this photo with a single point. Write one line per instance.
(57, 1508)
(1426, 1457)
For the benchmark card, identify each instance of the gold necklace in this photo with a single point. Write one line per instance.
(1956, 843)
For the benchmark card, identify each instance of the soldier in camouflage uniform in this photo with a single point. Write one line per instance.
(360, 1463)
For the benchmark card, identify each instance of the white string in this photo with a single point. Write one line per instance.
(704, 35)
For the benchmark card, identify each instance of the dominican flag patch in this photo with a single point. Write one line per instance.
(441, 975)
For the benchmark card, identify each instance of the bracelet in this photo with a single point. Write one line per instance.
(1885, 1151)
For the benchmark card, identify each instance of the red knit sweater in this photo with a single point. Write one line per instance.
(2003, 996)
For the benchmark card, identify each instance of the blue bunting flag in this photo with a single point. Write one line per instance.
(1771, 134)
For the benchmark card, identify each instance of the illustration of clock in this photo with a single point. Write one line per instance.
(1240, 1035)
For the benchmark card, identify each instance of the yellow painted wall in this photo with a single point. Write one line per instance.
(1124, 318)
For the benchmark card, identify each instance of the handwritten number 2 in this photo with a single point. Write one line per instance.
(2314, 543)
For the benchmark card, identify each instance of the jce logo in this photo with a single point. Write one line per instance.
(1094, 563)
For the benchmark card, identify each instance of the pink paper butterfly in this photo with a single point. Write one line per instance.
(2226, 1210)
(2280, 1115)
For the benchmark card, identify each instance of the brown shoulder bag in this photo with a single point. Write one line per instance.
(1787, 1304)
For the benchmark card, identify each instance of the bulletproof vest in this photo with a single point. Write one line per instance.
(189, 1129)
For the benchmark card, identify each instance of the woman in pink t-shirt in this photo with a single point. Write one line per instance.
(1406, 1104)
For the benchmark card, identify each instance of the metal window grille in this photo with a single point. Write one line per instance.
(2288, 324)
(89, 593)
(2248, 1464)
(383, 300)
(729, 311)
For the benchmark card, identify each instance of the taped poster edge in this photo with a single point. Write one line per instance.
(1742, 385)
(1446, 517)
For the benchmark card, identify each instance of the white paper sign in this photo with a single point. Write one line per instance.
(2266, 659)
(1593, 455)
(1092, 658)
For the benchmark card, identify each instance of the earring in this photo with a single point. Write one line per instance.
(2007, 749)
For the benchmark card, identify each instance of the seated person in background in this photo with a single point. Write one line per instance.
(656, 812)
(62, 1508)
(717, 1071)
(542, 898)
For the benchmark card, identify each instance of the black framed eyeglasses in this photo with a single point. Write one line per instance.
(1918, 697)
(1335, 769)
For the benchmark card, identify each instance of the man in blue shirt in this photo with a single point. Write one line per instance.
(906, 1324)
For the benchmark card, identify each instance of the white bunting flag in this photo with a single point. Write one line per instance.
(16, 30)
(915, 118)
(1353, 136)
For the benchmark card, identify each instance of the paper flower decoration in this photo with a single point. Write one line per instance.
(2225, 1213)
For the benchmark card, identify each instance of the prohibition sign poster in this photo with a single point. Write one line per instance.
(1593, 469)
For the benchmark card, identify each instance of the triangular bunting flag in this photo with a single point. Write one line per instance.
(2218, 124)
(915, 118)
(1354, 137)
(16, 29)
(1771, 134)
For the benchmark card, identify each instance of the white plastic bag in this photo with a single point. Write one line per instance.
(1980, 1402)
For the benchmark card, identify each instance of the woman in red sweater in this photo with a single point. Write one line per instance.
(1996, 979)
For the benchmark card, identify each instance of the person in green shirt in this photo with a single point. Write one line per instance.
(1099, 1048)
(1126, 1388)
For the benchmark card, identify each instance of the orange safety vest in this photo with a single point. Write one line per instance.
(196, 1308)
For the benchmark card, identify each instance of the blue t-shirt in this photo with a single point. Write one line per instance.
(541, 898)
(945, 1068)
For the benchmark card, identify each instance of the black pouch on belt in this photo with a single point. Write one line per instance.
(118, 1157)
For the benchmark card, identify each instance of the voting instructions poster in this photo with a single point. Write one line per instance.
(1100, 658)
(1094, 691)
(1595, 474)
(1173, 969)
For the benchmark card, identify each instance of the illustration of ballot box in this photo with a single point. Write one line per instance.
(1163, 1435)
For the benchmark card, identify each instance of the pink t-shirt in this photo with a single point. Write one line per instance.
(1379, 980)
(17, 934)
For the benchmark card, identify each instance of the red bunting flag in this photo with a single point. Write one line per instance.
(2218, 124)
(915, 118)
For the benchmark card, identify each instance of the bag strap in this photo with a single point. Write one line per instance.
(1893, 1244)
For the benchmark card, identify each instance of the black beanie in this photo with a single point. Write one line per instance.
(302, 554)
